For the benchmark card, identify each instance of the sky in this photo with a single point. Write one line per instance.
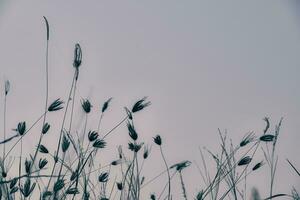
(203, 64)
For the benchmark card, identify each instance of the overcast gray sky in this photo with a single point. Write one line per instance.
(204, 65)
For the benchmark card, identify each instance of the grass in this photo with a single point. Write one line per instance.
(46, 174)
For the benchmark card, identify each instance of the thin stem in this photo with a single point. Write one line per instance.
(169, 178)
(182, 185)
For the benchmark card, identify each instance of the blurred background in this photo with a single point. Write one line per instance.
(204, 65)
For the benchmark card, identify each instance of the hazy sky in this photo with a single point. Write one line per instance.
(203, 64)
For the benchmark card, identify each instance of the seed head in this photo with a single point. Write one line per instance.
(105, 105)
(43, 149)
(92, 135)
(258, 165)
(86, 105)
(65, 143)
(116, 162)
(128, 112)
(59, 184)
(27, 188)
(134, 147)
(180, 166)
(7, 87)
(244, 161)
(132, 133)
(27, 164)
(246, 140)
(56, 105)
(103, 177)
(157, 140)
(119, 185)
(21, 128)
(46, 128)
(267, 138)
(72, 191)
(140, 105)
(77, 56)
(99, 143)
(152, 197)
(42, 163)
(146, 152)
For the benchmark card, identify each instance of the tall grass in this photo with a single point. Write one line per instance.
(47, 174)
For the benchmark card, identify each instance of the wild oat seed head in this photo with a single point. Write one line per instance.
(56, 105)
(43, 149)
(92, 135)
(132, 133)
(106, 104)
(86, 105)
(245, 161)
(258, 165)
(103, 177)
(267, 138)
(45, 128)
(21, 128)
(157, 140)
(140, 105)
(99, 143)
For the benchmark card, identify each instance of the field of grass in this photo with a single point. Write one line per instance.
(47, 174)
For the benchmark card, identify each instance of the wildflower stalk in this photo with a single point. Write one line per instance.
(47, 91)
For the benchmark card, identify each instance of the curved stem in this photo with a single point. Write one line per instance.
(169, 178)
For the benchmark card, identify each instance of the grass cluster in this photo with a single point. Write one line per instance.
(46, 174)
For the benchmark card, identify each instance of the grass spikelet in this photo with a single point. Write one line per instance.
(86, 105)
(245, 161)
(55, 106)
(267, 138)
(140, 105)
(99, 143)
(43, 149)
